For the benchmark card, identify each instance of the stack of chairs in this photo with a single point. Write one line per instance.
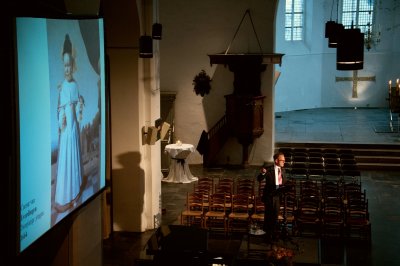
(308, 218)
(299, 164)
(349, 167)
(287, 215)
(357, 220)
(332, 216)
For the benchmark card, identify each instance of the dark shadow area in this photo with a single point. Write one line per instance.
(128, 186)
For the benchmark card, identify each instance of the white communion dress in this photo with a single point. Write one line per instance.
(69, 164)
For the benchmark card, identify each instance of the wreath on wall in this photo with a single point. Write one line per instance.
(201, 83)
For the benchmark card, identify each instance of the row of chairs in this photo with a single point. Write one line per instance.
(324, 171)
(333, 217)
(317, 152)
(318, 207)
(208, 185)
(330, 209)
(320, 187)
(222, 211)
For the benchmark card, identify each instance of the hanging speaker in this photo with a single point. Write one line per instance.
(350, 50)
(334, 34)
(157, 31)
(145, 46)
(329, 28)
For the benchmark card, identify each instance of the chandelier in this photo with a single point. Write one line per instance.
(372, 33)
(371, 37)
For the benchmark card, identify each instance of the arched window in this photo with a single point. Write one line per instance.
(358, 13)
(294, 20)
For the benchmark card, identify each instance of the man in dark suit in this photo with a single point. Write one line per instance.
(275, 177)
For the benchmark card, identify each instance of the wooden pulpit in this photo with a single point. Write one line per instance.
(244, 107)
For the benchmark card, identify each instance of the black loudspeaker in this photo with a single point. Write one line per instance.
(179, 245)
(350, 50)
(157, 31)
(145, 46)
(182, 239)
(79, 7)
(329, 28)
(335, 30)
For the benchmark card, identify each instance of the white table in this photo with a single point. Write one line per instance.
(179, 171)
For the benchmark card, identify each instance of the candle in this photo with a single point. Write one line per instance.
(390, 86)
(397, 86)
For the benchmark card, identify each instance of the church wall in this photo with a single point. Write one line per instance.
(190, 33)
(309, 69)
(136, 174)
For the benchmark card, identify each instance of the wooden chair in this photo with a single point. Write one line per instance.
(351, 174)
(194, 212)
(239, 217)
(308, 219)
(245, 185)
(331, 189)
(346, 154)
(261, 186)
(333, 217)
(299, 172)
(300, 158)
(316, 171)
(309, 188)
(257, 216)
(357, 220)
(287, 151)
(315, 156)
(204, 184)
(333, 170)
(353, 190)
(288, 213)
(216, 216)
(224, 185)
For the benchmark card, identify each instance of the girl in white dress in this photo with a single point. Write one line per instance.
(69, 163)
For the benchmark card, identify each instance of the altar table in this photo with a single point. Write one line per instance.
(179, 171)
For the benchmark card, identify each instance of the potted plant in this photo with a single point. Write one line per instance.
(201, 83)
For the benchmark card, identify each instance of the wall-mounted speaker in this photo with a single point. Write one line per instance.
(157, 31)
(145, 46)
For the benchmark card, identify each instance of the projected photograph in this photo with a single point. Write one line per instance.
(62, 119)
(74, 74)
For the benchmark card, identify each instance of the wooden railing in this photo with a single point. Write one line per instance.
(211, 142)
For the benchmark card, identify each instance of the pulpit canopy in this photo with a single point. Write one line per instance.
(245, 58)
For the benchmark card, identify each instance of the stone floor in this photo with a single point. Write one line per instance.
(330, 125)
(338, 125)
